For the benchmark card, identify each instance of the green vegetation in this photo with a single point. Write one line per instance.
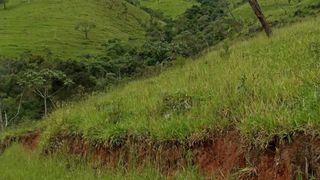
(169, 7)
(119, 61)
(52, 26)
(34, 85)
(17, 163)
(276, 11)
(39, 25)
(262, 86)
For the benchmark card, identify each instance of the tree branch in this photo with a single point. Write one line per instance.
(19, 107)
(39, 93)
(53, 94)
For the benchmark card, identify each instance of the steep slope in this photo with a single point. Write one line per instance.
(263, 93)
(262, 86)
(50, 24)
(248, 111)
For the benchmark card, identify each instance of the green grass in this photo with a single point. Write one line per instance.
(50, 24)
(171, 8)
(262, 87)
(16, 164)
(276, 10)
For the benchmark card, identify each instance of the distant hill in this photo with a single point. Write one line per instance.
(50, 24)
(171, 8)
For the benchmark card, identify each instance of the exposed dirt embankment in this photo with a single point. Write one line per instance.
(221, 154)
(29, 141)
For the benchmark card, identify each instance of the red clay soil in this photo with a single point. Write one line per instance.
(30, 141)
(226, 155)
(221, 155)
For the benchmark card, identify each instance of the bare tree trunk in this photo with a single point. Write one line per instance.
(6, 119)
(19, 108)
(45, 102)
(1, 118)
(258, 12)
(86, 34)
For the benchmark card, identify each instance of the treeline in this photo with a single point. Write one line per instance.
(198, 28)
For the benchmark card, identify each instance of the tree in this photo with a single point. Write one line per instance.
(40, 82)
(5, 118)
(1, 118)
(85, 27)
(4, 2)
(258, 12)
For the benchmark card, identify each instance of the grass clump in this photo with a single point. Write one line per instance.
(175, 104)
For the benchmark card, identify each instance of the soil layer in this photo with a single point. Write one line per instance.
(221, 154)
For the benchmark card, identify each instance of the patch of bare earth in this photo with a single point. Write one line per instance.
(30, 141)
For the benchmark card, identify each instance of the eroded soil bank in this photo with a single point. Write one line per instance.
(221, 154)
(29, 141)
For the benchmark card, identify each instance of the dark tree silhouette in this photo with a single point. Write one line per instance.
(85, 27)
(4, 2)
(258, 12)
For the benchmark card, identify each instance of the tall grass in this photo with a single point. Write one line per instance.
(16, 163)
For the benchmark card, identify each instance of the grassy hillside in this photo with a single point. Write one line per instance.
(262, 86)
(50, 24)
(275, 10)
(171, 8)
